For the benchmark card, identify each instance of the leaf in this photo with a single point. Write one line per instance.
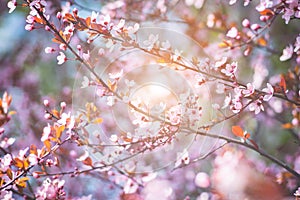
(12, 112)
(282, 83)
(88, 161)
(88, 21)
(262, 42)
(9, 174)
(268, 12)
(247, 136)
(18, 163)
(254, 144)
(287, 125)
(98, 120)
(47, 144)
(33, 149)
(21, 182)
(238, 131)
(58, 131)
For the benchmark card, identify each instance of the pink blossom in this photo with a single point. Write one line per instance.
(269, 92)
(61, 58)
(249, 91)
(133, 29)
(287, 53)
(6, 195)
(6, 142)
(5, 162)
(231, 2)
(297, 44)
(151, 41)
(63, 47)
(46, 133)
(29, 27)
(288, 13)
(221, 62)
(230, 69)
(182, 158)
(256, 106)
(67, 120)
(232, 33)
(111, 100)
(94, 16)
(12, 5)
(117, 75)
(227, 101)
(46, 102)
(264, 4)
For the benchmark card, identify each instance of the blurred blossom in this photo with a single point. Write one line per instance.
(158, 189)
(202, 180)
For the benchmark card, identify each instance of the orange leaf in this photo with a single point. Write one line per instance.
(9, 173)
(47, 144)
(88, 21)
(287, 126)
(33, 149)
(247, 136)
(21, 182)
(262, 42)
(59, 130)
(18, 163)
(238, 131)
(267, 12)
(98, 120)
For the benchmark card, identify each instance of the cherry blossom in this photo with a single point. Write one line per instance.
(269, 92)
(249, 90)
(232, 33)
(49, 50)
(12, 5)
(202, 180)
(151, 41)
(287, 53)
(297, 44)
(230, 69)
(256, 106)
(116, 76)
(46, 133)
(61, 58)
(182, 158)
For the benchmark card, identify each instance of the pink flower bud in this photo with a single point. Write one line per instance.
(47, 28)
(58, 15)
(46, 102)
(255, 27)
(63, 105)
(246, 23)
(47, 116)
(49, 50)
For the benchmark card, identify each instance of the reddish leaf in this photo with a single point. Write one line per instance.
(238, 131)
(282, 83)
(88, 161)
(254, 144)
